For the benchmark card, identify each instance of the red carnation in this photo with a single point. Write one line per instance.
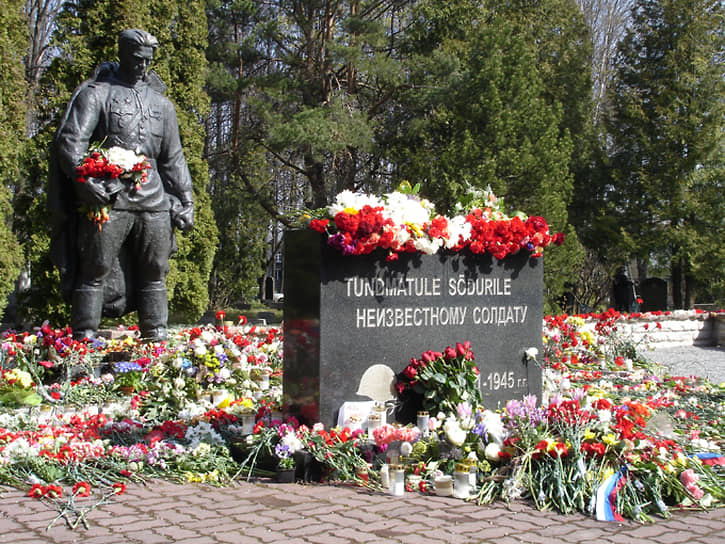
(319, 225)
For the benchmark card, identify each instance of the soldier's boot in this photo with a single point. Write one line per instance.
(87, 306)
(153, 314)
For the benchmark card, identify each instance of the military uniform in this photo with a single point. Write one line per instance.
(110, 112)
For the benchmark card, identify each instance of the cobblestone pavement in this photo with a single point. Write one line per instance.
(264, 512)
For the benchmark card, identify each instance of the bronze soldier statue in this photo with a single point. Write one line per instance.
(121, 265)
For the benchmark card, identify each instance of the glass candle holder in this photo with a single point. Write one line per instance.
(461, 482)
(397, 480)
(385, 476)
(248, 421)
(379, 409)
(444, 485)
(373, 423)
(423, 422)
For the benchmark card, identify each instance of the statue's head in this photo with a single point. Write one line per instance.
(135, 53)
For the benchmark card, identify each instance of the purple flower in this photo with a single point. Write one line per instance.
(337, 241)
(282, 451)
(125, 366)
(480, 430)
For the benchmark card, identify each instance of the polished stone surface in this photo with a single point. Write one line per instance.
(345, 314)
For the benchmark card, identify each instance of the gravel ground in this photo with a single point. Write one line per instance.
(706, 362)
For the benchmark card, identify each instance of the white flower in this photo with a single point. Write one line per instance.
(427, 246)
(347, 200)
(179, 383)
(458, 229)
(454, 433)
(200, 350)
(402, 209)
(123, 157)
(605, 416)
(292, 442)
(406, 448)
(20, 449)
(203, 432)
(494, 426)
(492, 452)
(202, 450)
(531, 353)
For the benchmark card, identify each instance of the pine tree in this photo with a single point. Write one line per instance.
(241, 195)
(667, 129)
(484, 118)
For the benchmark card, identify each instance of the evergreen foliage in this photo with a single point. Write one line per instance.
(667, 131)
(483, 117)
(13, 90)
(240, 179)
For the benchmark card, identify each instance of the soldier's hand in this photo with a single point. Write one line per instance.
(183, 218)
(92, 192)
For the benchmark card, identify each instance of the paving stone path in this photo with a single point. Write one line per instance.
(263, 512)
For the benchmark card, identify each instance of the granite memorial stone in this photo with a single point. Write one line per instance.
(654, 294)
(345, 315)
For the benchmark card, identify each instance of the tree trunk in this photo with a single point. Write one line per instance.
(676, 281)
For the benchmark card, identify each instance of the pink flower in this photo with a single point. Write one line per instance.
(688, 477)
(384, 435)
(695, 491)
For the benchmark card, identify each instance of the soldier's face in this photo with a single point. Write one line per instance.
(135, 62)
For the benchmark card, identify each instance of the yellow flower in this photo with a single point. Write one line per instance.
(351, 211)
(417, 230)
(20, 376)
(589, 434)
(194, 477)
(610, 439)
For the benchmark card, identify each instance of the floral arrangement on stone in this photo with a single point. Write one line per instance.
(402, 222)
